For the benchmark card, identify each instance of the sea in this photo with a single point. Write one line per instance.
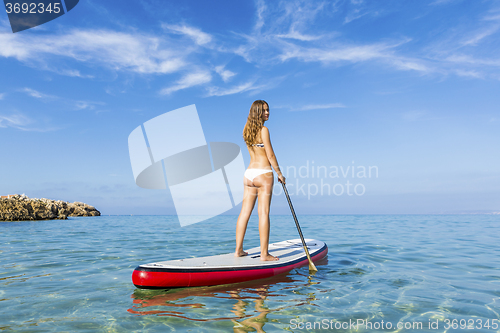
(383, 273)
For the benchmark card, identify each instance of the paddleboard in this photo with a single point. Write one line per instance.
(226, 268)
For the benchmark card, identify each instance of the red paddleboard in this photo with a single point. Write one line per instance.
(226, 268)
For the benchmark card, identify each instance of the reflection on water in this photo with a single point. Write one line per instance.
(251, 302)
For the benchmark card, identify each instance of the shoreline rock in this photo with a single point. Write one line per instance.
(21, 208)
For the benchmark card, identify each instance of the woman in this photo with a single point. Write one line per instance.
(258, 179)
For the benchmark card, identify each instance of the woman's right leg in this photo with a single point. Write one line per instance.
(249, 197)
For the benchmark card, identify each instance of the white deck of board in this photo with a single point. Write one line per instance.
(286, 251)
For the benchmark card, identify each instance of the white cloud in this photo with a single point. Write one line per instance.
(189, 80)
(225, 74)
(86, 105)
(36, 94)
(119, 51)
(319, 107)
(478, 36)
(337, 53)
(70, 72)
(469, 73)
(492, 17)
(2, 95)
(409, 64)
(440, 2)
(247, 86)
(21, 122)
(283, 30)
(15, 120)
(466, 59)
(299, 36)
(354, 16)
(250, 86)
(281, 34)
(200, 37)
(79, 105)
(261, 8)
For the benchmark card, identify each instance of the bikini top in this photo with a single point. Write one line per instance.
(261, 145)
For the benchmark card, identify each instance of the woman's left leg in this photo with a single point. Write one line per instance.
(249, 197)
(264, 183)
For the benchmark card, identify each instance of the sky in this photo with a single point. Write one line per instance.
(376, 107)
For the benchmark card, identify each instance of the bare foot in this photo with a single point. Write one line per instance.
(268, 257)
(240, 254)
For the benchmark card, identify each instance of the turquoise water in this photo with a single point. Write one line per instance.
(413, 271)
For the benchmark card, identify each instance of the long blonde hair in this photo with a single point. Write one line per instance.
(254, 122)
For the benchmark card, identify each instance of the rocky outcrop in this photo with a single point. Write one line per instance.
(21, 208)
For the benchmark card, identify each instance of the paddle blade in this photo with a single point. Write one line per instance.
(312, 268)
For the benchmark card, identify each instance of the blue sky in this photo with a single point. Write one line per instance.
(408, 87)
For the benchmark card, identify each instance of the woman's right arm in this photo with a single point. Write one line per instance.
(266, 139)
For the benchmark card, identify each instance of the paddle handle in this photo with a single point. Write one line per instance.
(311, 264)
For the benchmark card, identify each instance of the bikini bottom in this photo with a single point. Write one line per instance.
(250, 174)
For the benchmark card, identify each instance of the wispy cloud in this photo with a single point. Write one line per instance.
(492, 16)
(283, 31)
(470, 60)
(200, 37)
(338, 53)
(22, 122)
(252, 87)
(467, 48)
(14, 120)
(407, 64)
(440, 2)
(87, 105)
(74, 104)
(121, 51)
(298, 36)
(356, 14)
(36, 94)
(261, 8)
(189, 80)
(469, 73)
(218, 91)
(334, 53)
(225, 74)
(480, 35)
(319, 107)
(281, 35)
(2, 95)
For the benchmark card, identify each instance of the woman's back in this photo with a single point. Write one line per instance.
(258, 156)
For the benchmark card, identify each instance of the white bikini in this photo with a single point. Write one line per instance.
(250, 174)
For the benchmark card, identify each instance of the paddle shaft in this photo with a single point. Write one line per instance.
(311, 264)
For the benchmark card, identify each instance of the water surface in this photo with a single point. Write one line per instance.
(432, 273)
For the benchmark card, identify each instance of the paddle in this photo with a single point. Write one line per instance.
(311, 264)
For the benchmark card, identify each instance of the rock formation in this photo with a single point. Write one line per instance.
(21, 208)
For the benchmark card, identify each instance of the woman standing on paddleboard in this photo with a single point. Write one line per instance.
(258, 178)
